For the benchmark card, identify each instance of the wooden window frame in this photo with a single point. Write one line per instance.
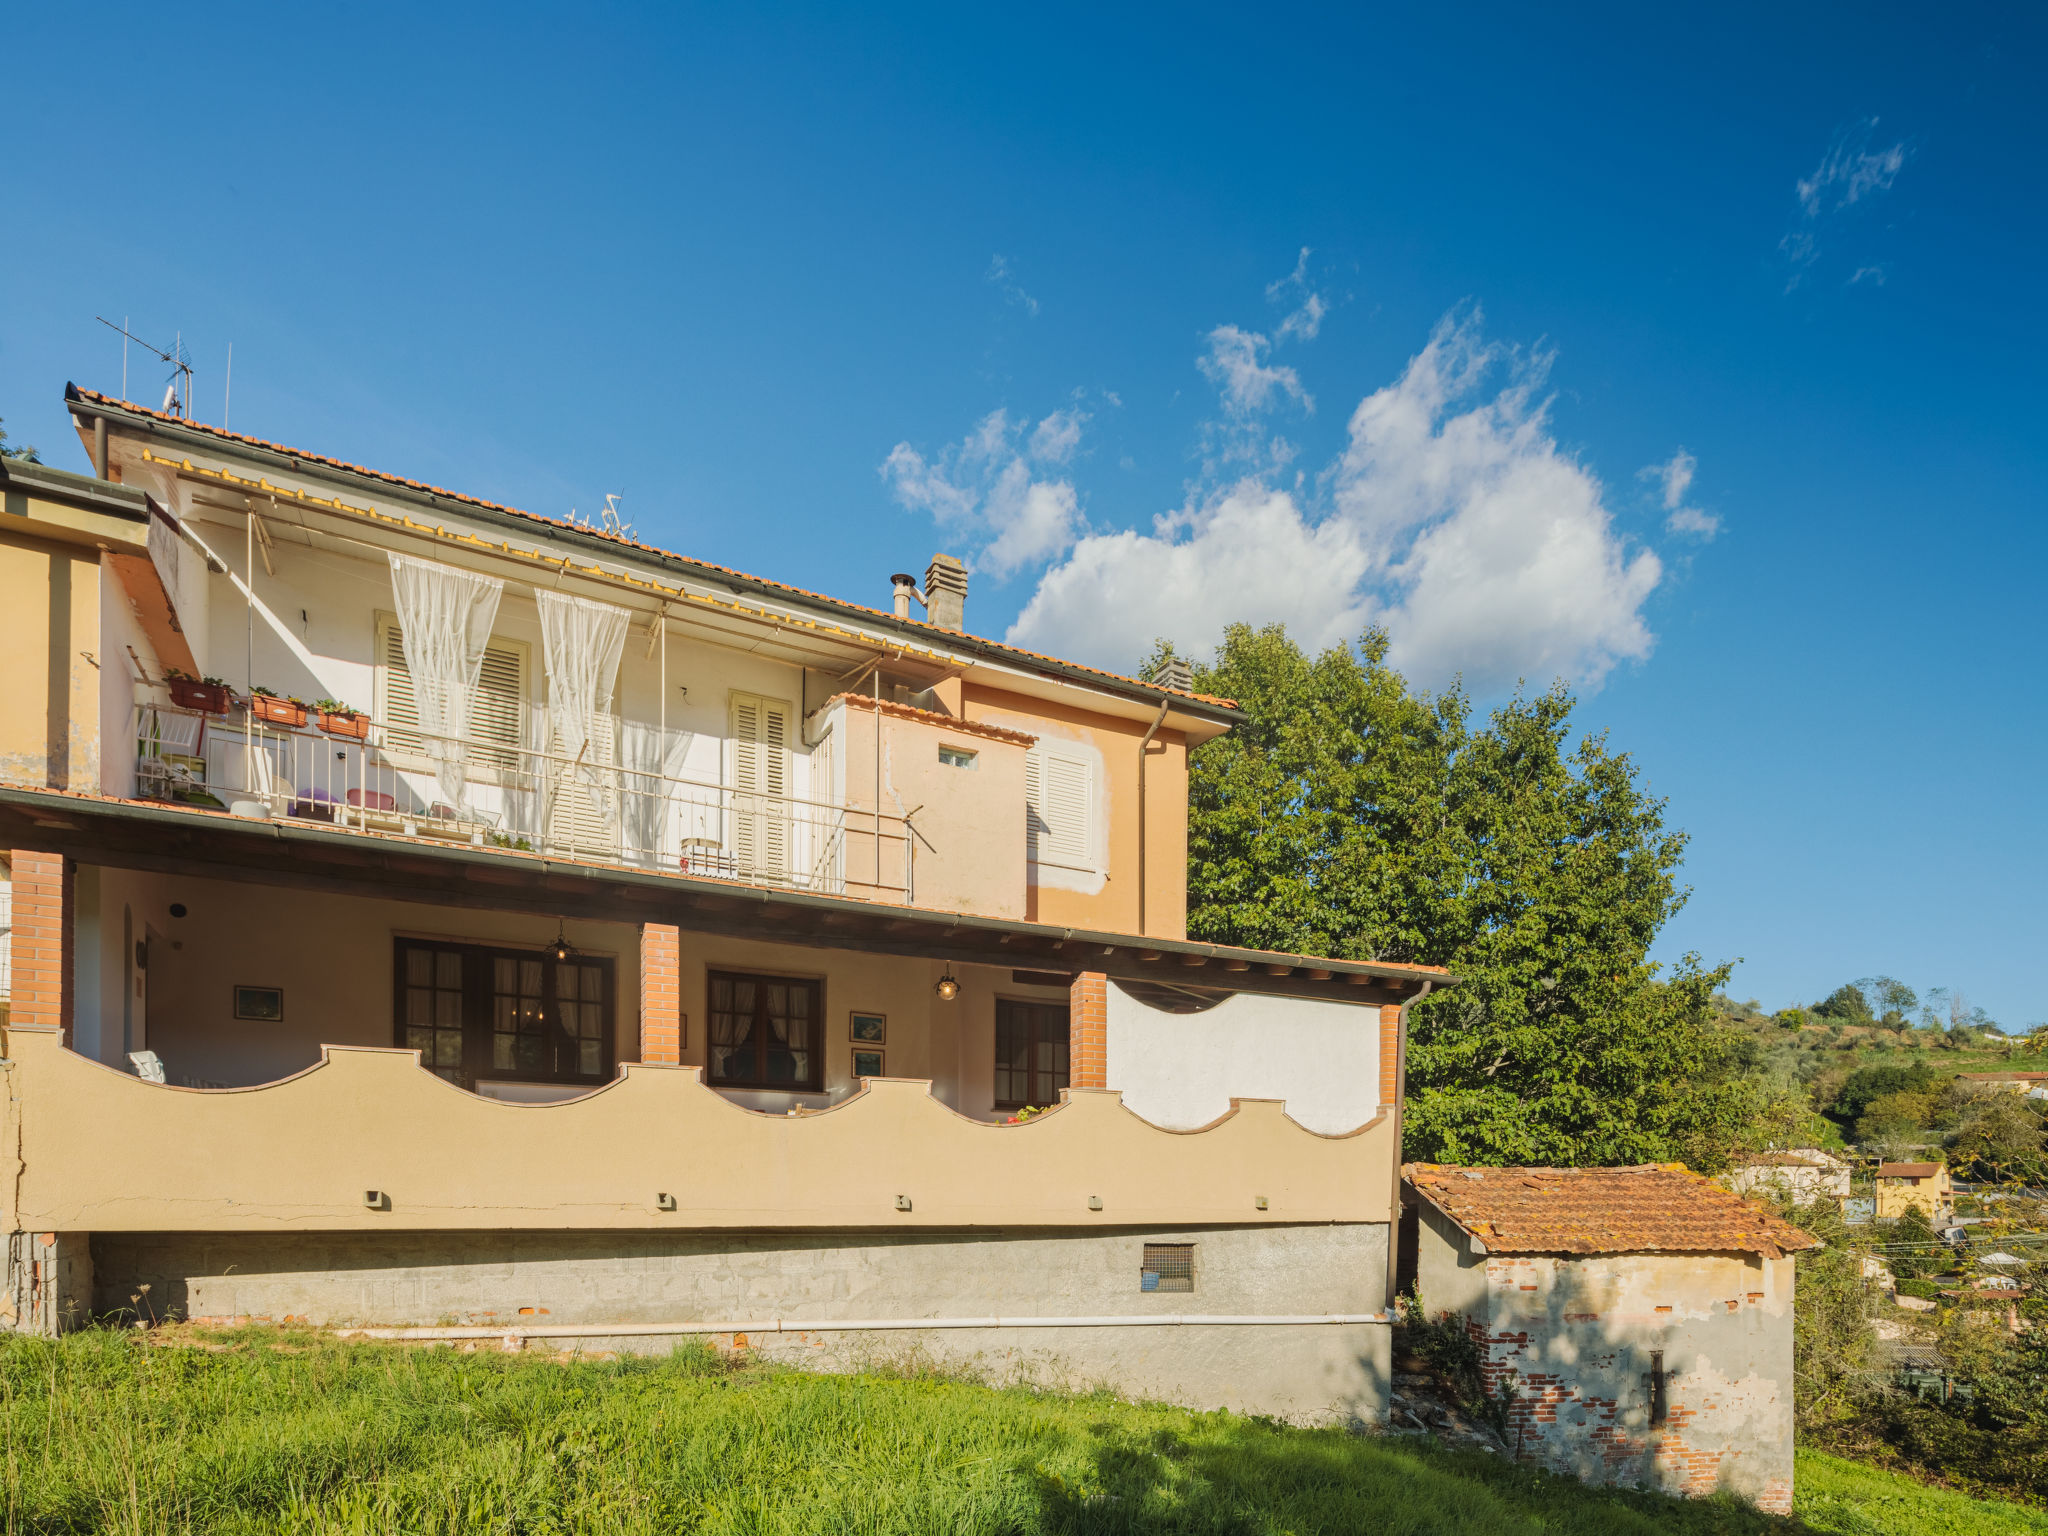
(1031, 1050)
(476, 1009)
(759, 1082)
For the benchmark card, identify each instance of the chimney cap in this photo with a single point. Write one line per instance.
(902, 579)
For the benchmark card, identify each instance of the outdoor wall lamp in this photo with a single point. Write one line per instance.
(560, 948)
(947, 987)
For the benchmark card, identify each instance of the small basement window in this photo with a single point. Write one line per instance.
(1168, 1267)
(958, 757)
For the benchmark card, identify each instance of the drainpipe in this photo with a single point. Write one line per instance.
(99, 446)
(1157, 721)
(1400, 1097)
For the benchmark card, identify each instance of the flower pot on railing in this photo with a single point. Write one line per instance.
(190, 693)
(345, 722)
(276, 711)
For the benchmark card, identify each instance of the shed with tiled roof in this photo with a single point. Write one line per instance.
(1641, 1316)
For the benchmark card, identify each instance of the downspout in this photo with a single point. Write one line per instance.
(1143, 746)
(1400, 1098)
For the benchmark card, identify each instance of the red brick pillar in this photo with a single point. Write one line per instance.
(1088, 1031)
(661, 994)
(1390, 1053)
(42, 942)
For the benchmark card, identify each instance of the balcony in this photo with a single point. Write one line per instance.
(621, 809)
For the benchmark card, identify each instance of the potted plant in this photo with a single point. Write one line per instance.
(277, 708)
(338, 719)
(207, 695)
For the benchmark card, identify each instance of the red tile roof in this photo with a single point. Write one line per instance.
(933, 717)
(1654, 1208)
(1907, 1170)
(128, 407)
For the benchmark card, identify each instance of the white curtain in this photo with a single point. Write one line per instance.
(581, 643)
(444, 621)
(651, 761)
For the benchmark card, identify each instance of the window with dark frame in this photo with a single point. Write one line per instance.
(1031, 1053)
(764, 1031)
(480, 1013)
(1660, 1407)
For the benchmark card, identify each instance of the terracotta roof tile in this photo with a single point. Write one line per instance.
(130, 408)
(933, 717)
(1654, 1208)
(1907, 1170)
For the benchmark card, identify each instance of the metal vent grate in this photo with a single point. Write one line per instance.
(1168, 1267)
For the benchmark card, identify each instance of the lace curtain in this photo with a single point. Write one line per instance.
(651, 761)
(444, 621)
(581, 643)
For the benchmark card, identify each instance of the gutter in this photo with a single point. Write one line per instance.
(514, 1337)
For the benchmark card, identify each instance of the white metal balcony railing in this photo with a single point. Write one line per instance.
(523, 798)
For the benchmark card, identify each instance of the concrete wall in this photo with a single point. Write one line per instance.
(1182, 1070)
(1577, 1335)
(1310, 1372)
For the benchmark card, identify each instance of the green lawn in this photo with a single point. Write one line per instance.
(106, 1433)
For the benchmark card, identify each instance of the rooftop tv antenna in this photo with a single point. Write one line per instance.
(176, 402)
(613, 523)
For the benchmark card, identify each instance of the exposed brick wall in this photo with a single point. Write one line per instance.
(42, 941)
(1088, 1030)
(1390, 1053)
(661, 994)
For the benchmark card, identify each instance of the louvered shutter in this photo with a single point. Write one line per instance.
(577, 819)
(494, 713)
(1059, 793)
(760, 782)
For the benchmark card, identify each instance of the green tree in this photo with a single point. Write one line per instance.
(1351, 815)
(25, 453)
(1846, 1004)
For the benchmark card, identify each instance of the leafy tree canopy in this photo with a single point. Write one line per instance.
(26, 454)
(1867, 1084)
(1846, 1003)
(1352, 815)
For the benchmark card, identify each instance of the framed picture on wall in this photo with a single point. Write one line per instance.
(867, 1064)
(263, 1004)
(869, 1028)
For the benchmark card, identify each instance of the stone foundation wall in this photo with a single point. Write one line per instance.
(1306, 1372)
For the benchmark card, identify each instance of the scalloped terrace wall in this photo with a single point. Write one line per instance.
(97, 1150)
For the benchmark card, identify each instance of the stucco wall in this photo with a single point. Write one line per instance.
(1182, 1070)
(51, 638)
(1578, 1332)
(1306, 1372)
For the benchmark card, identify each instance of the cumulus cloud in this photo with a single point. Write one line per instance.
(997, 489)
(999, 274)
(1235, 364)
(1851, 172)
(1453, 519)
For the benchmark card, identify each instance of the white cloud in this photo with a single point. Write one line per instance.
(1872, 275)
(999, 274)
(1850, 172)
(1306, 319)
(1234, 364)
(1454, 520)
(989, 489)
(1674, 479)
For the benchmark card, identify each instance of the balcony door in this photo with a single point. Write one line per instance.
(481, 1014)
(760, 786)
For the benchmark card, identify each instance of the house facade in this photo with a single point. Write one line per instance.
(435, 919)
(1637, 1320)
(1924, 1187)
(1802, 1174)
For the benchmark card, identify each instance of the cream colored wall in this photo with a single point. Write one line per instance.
(51, 638)
(969, 851)
(331, 954)
(1931, 1196)
(1111, 904)
(102, 1151)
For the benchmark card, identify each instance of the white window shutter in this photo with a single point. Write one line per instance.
(760, 781)
(1059, 789)
(495, 711)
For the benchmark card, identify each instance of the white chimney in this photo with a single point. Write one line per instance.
(945, 592)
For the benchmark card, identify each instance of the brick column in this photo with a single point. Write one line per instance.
(1088, 1031)
(1390, 1053)
(661, 994)
(42, 942)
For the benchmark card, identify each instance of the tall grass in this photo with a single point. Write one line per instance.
(106, 1432)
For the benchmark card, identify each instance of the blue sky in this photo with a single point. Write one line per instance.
(1693, 357)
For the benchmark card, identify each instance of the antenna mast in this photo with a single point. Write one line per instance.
(176, 402)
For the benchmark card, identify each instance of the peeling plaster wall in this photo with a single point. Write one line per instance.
(1578, 1333)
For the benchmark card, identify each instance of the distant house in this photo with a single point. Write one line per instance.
(1804, 1173)
(1923, 1186)
(2033, 1084)
(1640, 1317)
